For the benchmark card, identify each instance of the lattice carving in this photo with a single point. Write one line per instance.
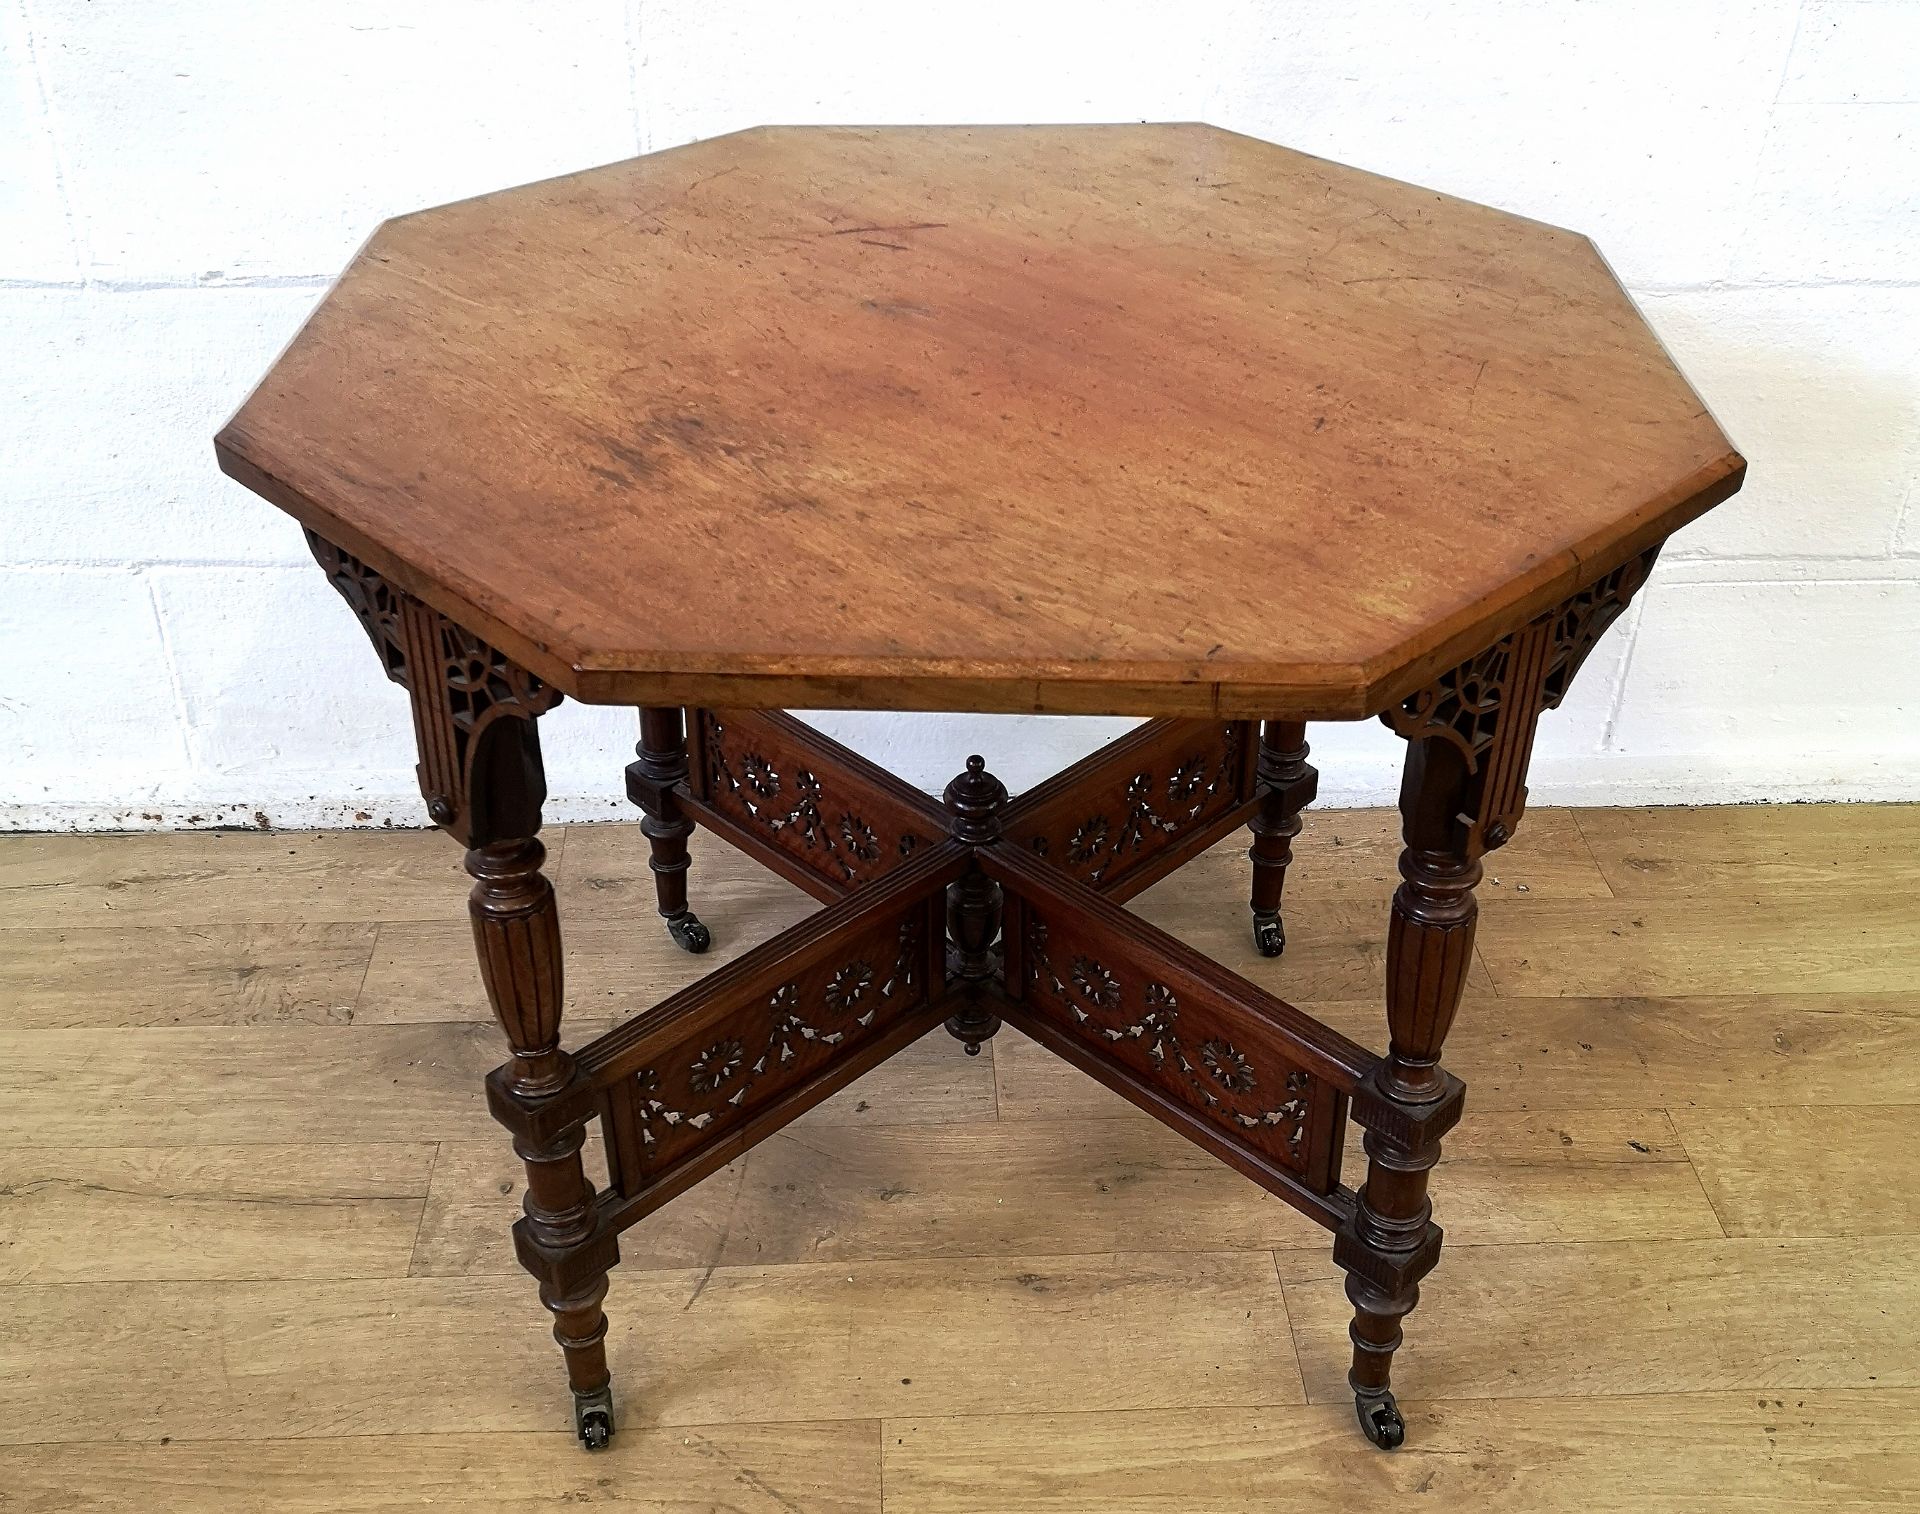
(375, 602)
(461, 687)
(823, 814)
(1466, 704)
(1581, 621)
(1099, 832)
(484, 684)
(1191, 1050)
(780, 1036)
(1489, 706)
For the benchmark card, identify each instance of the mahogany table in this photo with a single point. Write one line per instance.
(1141, 420)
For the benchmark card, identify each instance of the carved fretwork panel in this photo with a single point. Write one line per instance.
(1219, 1059)
(1125, 815)
(793, 796)
(1489, 706)
(375, 601)
(741, 1051)
(473, 706)
(1583, 619)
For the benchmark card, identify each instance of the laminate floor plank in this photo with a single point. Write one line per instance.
(1562, 1054)
(1702, 1453)
(104, 977)
(1752, 944)
(846, 1340)
(352, 1083)
(826, 1468)
(1801, 1171)
(1754, 849)
(833, 1192)
(1354, 855)
(1625, 1317)
(204, 878)
(254, 1214)
(150, 1213)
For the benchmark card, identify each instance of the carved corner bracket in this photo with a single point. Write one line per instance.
(1489, 706)
(473, 707)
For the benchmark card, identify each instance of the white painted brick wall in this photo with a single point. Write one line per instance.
(178, 182)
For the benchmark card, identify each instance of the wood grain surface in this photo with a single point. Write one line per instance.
(997, 418)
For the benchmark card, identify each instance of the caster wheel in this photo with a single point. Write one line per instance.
(972, 1048)
(593, 1418)
(688, 933)
(1380, 1419)
(596, 1431)
(1268, 938)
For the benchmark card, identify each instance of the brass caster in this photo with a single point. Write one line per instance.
(1268, 937)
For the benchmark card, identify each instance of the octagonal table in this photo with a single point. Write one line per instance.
(1136, 420)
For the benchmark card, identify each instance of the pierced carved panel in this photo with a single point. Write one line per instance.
(795, 790)
(1489, 706)
(1108, 818)
(462, 689)
(782, 1033)
(1176, 1035)
(1582, 620)
(1466, 704)
(375, 602)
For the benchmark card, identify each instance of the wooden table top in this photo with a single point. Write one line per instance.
(1120, 419)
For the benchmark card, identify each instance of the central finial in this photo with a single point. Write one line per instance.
(974, 800)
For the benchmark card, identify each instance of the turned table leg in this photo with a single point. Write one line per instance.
(1287, 786)
(475, 724)
(516, 931)
(1392, 1242)
(650, 781)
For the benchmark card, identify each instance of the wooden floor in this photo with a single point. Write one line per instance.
(253, 1213)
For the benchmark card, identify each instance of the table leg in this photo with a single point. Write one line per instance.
(1287, 786)
(516, 933)
(475, 723)
(1429, 947)
(650, 784)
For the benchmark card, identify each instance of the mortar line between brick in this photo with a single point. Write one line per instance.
(62, 186)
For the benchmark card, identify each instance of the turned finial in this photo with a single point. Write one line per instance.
(974, 799)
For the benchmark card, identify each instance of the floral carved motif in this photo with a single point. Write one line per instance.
(1102, 836)
(759, 777)
(1245, 1088)
(780, 1036)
